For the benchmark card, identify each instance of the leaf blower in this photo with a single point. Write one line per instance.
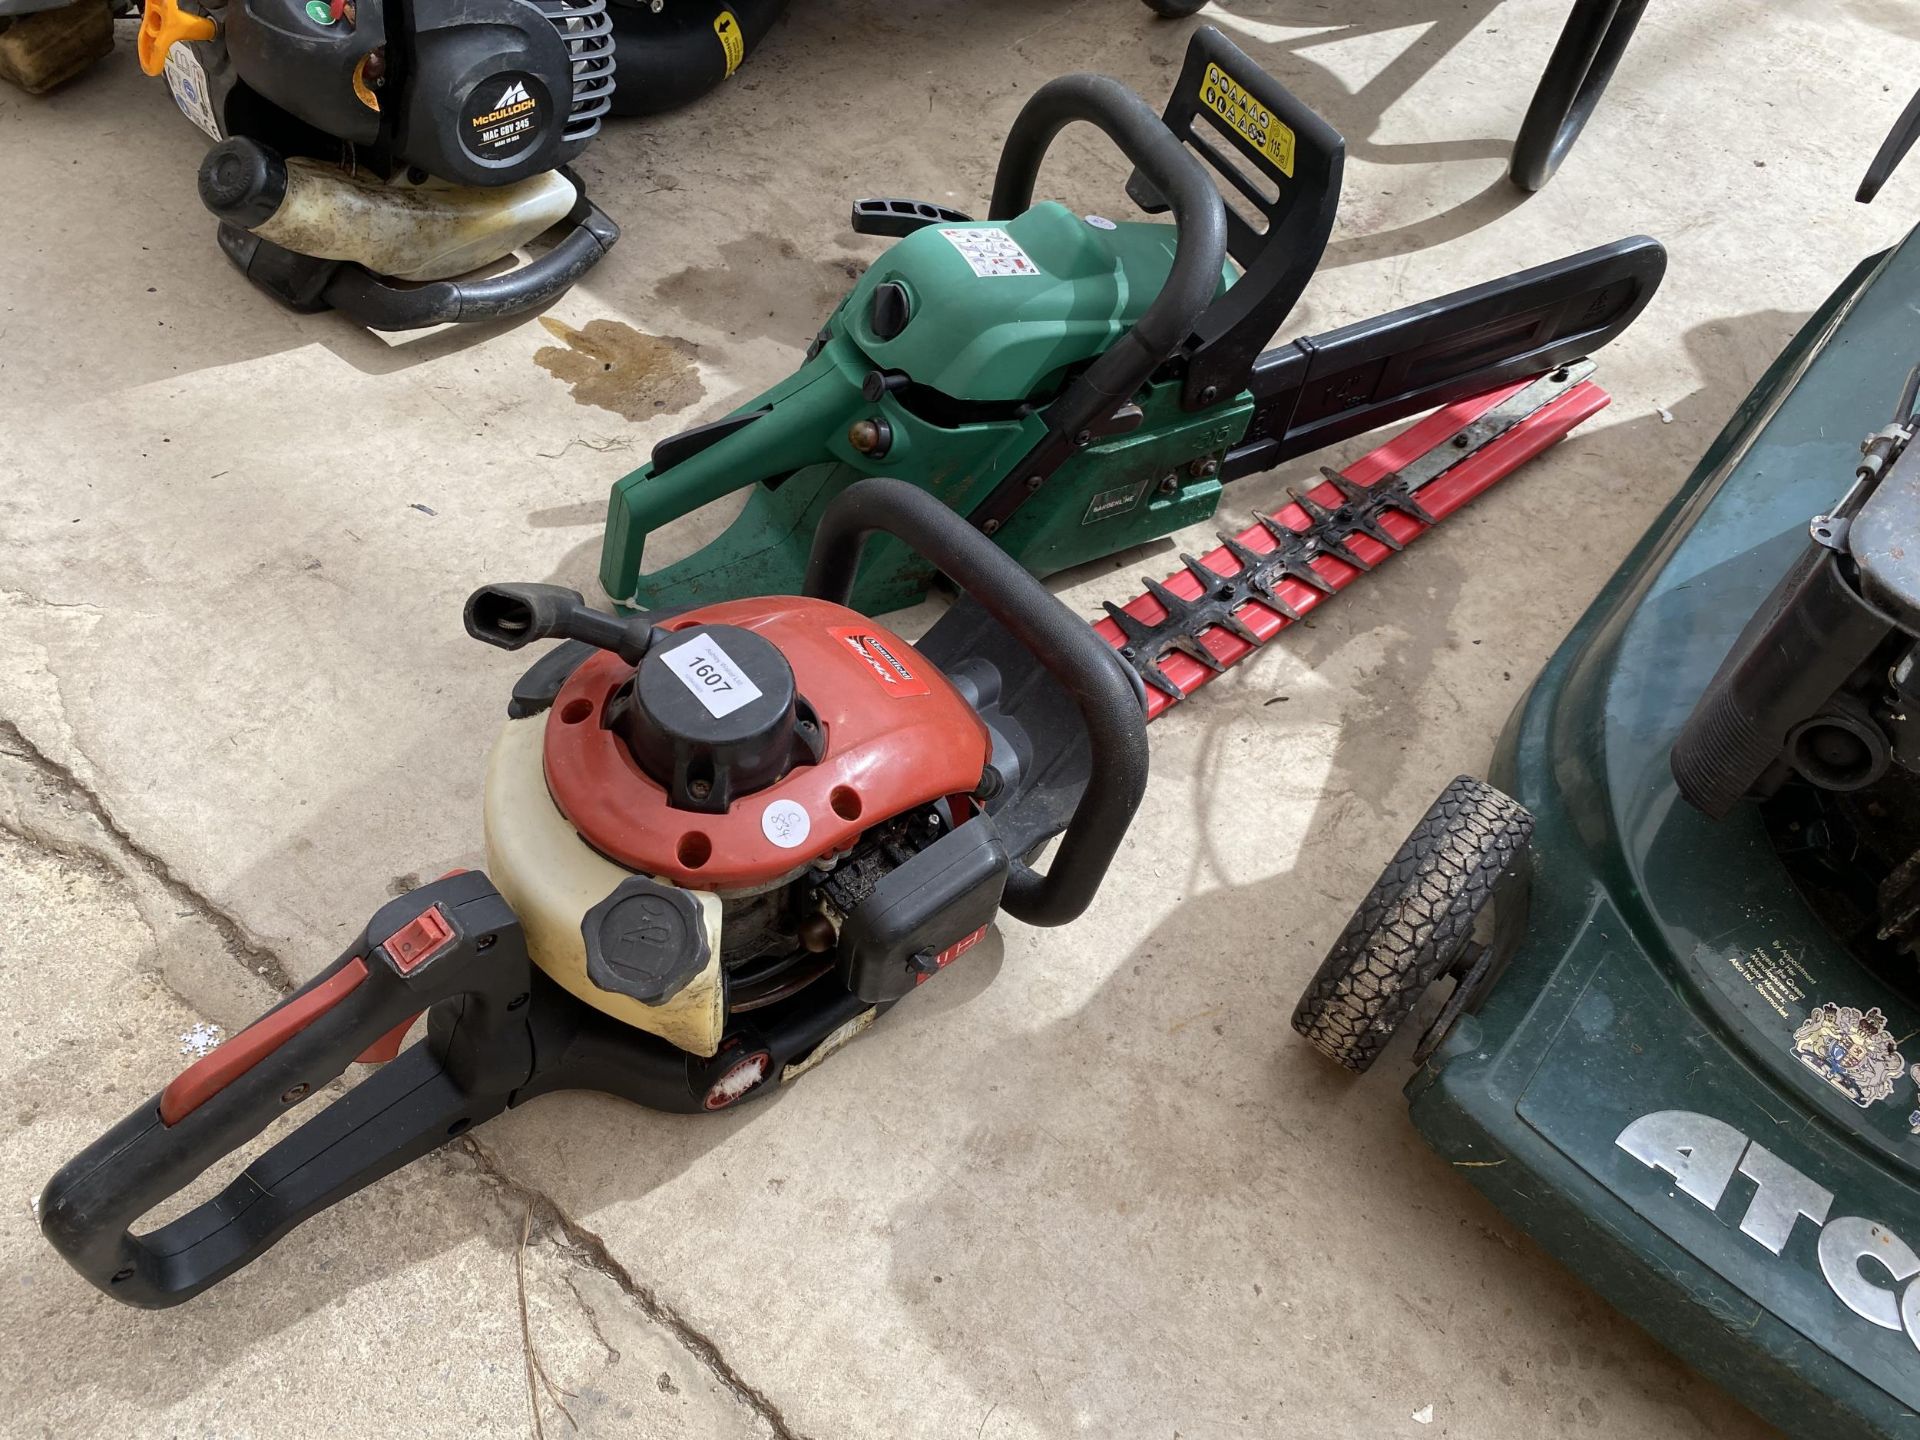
(385, 159)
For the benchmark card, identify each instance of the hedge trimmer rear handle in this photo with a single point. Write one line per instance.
(454, 941)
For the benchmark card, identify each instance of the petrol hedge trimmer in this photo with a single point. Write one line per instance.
(723, 839)
(1075, 385)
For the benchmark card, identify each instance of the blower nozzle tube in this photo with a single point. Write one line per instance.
(511, 616)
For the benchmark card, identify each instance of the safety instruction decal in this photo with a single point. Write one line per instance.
(1228, 99)
(711, 674)
(188, 82)
(991, 251)
(731, 40)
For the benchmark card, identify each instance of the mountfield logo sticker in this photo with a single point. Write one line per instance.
(884, 659)
(1868, 1267)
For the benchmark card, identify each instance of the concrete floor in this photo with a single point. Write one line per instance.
(1088, 1183)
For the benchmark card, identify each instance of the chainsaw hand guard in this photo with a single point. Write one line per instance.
(453, 947)
(1299, 155)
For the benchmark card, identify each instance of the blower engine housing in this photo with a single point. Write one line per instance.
(479, 92)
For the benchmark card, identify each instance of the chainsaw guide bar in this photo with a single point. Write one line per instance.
(1221, 607)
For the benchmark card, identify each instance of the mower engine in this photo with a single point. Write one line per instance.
(1816, 710)
(357, 144)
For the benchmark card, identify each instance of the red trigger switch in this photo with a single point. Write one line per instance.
(419, 940)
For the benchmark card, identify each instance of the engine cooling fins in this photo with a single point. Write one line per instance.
(1220, 607)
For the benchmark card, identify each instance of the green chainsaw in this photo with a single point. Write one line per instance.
(1076, 385)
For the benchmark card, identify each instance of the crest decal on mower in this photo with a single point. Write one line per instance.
(1851, 1051)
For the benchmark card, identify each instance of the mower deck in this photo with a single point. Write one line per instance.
(1668, 963)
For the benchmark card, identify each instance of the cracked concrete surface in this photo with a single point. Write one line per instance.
(336, 1338)
(1085, 1184)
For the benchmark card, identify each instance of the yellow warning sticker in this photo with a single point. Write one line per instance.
(1262, 128)
(731, 41)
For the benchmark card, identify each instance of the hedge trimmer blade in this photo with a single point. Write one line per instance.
(1221, 606)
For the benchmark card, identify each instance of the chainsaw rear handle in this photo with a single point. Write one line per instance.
(1200, 220)
(1069, 649)
(455, 941)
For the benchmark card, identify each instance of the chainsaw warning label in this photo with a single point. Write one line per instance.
(727, 27)
(991, 251)
(502, 116)
(884, 658)
(1262, 129)
(710, 673)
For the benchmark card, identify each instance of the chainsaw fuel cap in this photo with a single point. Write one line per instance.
(889, 310)
(645, 940)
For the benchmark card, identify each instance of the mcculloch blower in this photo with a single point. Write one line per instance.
(723, 839)
(384, 159)
(1075, 385)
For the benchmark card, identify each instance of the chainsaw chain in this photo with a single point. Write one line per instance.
(1259, 576)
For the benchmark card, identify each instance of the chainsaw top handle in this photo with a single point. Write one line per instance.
(1200, 218)
(1086, 667)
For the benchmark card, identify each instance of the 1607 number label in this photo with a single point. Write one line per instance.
(715, 679)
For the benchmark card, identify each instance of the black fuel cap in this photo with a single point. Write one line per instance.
(889, 310)
(645, 940)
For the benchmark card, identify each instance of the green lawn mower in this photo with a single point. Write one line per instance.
(1075, 385)
(1665, 972)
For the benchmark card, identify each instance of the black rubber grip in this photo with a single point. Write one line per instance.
(1198, 212)
(461, 1074)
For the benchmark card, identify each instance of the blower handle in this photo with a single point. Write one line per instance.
(1069, 649)
(380, 304)
(1200, 219)
(455, 940)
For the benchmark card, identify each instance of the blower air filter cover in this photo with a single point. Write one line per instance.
(242, 182)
